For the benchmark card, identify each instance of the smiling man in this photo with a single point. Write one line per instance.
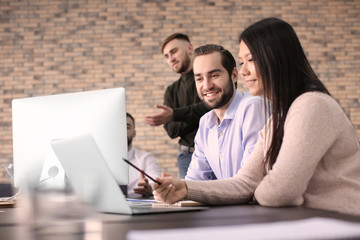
(227, 134)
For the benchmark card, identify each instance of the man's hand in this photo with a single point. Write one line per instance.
(144, 187)
(166, 115)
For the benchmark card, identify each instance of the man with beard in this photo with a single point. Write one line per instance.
(227, 134)
(139, 186)
(182, 107)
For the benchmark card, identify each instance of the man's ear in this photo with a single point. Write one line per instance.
(190, 48)
(134, 133)
(234, 74)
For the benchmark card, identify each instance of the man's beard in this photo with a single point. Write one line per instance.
(129, 141)
(225, 98)
(184, 66)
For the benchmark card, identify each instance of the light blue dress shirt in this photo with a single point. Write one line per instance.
(223, 148)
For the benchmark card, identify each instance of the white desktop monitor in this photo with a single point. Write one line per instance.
(38, 120)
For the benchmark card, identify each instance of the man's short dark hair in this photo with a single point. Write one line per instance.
(173, 36)
(227, 59)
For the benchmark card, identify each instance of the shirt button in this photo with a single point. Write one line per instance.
(221, 134)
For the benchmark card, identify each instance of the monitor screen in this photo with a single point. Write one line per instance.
(39, 120)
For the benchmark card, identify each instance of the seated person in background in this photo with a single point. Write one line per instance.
(308, 154)
(139, 186)
(228, 133)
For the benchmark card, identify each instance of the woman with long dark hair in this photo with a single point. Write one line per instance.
(308, 152)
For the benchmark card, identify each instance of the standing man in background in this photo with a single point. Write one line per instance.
(139, 186)
(182, 107)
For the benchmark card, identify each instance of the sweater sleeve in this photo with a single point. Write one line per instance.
(308, 134)
(235, 190)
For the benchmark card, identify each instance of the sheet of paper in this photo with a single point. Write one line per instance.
(140, 202)
(312, 228)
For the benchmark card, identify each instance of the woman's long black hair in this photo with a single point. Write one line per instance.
(284, 69)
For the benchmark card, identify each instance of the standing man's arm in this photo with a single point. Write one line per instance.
(181, 114)
(166, 115)
(190, 113)
(177, 129)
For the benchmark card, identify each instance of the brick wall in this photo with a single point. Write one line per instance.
(58, 46)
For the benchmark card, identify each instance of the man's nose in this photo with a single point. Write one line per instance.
(172, 58)
(207, 84)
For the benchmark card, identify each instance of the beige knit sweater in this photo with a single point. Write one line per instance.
(318, 165)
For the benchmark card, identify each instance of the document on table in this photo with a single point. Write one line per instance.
(311, 228)
(156, 204)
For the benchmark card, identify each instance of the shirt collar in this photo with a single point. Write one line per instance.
(187, 76)
(229, 113)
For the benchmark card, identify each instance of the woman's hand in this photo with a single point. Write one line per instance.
(171, 189)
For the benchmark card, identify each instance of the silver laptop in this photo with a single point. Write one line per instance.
(91, 178)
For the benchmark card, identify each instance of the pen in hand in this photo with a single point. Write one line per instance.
(142, 171)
